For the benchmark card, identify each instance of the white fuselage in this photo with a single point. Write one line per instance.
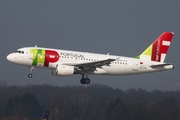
(120, 66)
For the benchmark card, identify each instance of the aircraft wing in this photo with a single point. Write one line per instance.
(94, 64)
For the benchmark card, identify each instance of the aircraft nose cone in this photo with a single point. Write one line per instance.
(10, 57)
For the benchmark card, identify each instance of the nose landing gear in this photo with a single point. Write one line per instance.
(31, 71)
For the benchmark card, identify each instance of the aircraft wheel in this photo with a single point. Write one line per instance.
(82, 81)
(87, 80)
(30, 75)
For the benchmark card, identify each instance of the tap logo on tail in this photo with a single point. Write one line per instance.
(158, 49)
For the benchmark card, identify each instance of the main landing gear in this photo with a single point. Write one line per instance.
(85, 80)
(31, 71)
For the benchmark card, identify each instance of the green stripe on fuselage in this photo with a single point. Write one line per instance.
(38, 56)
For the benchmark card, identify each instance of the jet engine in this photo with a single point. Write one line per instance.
(63, 70)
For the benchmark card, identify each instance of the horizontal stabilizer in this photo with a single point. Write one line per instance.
(160, 65)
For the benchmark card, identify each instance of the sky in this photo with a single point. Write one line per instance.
(118, 27)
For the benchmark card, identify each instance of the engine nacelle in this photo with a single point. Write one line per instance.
(63, 70)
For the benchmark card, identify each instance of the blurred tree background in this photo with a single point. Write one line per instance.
(92, 102)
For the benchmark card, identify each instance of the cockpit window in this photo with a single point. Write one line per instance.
(19, 51)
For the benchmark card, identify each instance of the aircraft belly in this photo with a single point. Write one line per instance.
(118, 70)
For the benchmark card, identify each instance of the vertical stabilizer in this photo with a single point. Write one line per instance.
(157, 51)
(45, 115)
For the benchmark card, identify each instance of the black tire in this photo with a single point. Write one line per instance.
(82, 81)
(30, 75)
(87, 80)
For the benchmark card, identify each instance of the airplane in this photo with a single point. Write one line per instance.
(45, 115)
(67, 63)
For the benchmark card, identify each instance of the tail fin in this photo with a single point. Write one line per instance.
(45, 115)
(158, 49)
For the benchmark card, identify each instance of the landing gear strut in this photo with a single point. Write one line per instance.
(31, 71)
(85, 80)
